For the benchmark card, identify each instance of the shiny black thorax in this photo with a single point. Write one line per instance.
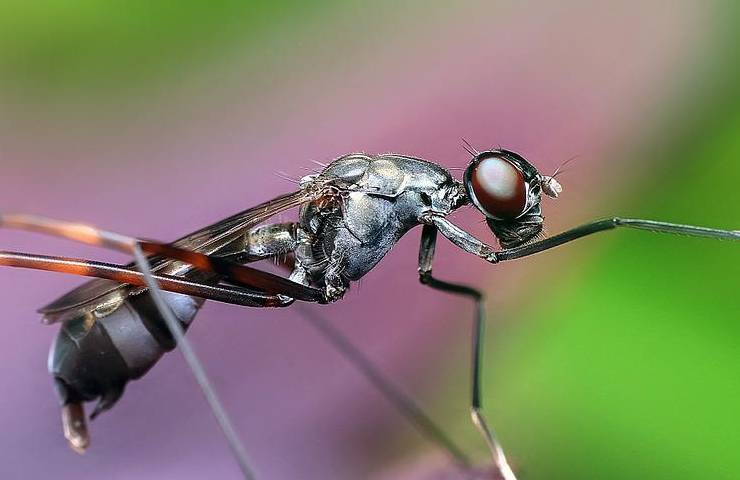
(378, 199)
(112, 334)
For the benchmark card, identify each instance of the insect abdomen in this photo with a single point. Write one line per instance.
(95, 357)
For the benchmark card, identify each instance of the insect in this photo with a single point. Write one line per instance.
(116, 327)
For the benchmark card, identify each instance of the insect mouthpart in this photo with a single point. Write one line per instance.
(515, 233)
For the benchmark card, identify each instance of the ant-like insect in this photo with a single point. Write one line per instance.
(351, 214)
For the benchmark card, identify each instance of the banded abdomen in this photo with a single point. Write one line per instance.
(95, 355)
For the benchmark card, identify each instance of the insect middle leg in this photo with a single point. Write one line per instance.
(277, 239)
(426, 256)
(261, 242)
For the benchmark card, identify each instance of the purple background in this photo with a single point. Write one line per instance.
(543, 82)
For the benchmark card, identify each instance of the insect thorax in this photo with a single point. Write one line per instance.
(378, 199)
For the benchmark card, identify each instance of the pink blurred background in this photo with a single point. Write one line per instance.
(161, 160)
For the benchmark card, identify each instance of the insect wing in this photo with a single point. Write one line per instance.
(209, 240)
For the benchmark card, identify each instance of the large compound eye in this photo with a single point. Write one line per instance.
(499, 187)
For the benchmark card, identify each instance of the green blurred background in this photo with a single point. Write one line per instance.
(626, 367)
(615, 357)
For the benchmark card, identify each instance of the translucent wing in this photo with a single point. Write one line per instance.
(99, 295)
(212, 238)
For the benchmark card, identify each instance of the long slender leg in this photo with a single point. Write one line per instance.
(470, 244)
(195, 364)
(610, 224)
(426, 256)
(75, 430)
(404, 404)
(221, 293)
(239, 274)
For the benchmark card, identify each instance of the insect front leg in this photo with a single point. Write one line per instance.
(470, 244)
(426, 257)
(461, 238)
(612, 224)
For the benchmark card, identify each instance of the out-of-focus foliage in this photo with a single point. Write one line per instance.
(628, 368)
(625, 367)
(54, 47)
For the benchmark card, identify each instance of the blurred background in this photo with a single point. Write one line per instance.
(614, 357)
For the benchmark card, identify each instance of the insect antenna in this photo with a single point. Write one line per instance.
(469, 148)
(287, 177)
(561, 168)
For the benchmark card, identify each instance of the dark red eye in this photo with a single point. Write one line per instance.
(499, 188)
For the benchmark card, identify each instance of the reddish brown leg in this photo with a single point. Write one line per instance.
(73, 416)
(238, 274)
(88, 268)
